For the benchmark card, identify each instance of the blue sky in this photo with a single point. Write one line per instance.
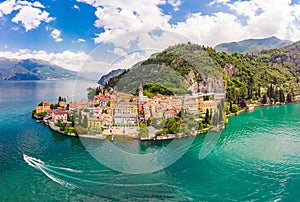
(66, 31)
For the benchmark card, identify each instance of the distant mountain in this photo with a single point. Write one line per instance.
(288, 56)
(32, 69)
(252, 45)
(105, 78)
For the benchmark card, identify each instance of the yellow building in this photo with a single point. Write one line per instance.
(43, 107)
(126, 108)
(209, 104)
(94, 123)
(125, 113)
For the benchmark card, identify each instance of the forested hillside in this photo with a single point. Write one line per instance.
(272, 75)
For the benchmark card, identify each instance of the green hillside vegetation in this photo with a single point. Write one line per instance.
(105, 78)
(275, 69)
(245, 75)
(165, 76)
(169, 69)
(150, 90)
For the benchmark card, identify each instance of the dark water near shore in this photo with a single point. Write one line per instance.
(257, 158)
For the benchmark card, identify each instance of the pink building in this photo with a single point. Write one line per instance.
(59, 113)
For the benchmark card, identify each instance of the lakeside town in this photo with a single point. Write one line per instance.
(111, 114)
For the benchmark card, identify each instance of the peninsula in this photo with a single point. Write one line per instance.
(210, 86)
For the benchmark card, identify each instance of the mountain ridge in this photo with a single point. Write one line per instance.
(246, 76)
(252, 45)
(106, 77)
(32, 69)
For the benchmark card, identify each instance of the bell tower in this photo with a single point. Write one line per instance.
(141, 92)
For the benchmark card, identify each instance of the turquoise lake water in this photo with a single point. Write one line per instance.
(256, 158)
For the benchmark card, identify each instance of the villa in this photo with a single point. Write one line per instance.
(59, 114)
(94, 123)
(125, 113)
(43, 107)
(209, 104)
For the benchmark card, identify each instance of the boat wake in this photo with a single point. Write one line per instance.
(57, 175)
(40, 165)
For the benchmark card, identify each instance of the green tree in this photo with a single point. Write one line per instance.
(215, 119)
(271, 92)
(200, 127)
(235, 108)
(148, 122)
(91, 93)
(281, 96)
(289, 97)
(52, 106)
(108, 103)
(79, 118)
(276, 98)
(206, 119)
(264, 99)
(172, 125)
(85, 121)
(258, 90)
(144, 132)
(243, 103)
(70, 117)
(187, 130)
(221, 110)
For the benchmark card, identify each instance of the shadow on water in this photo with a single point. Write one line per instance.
(144, 146)
(75, 141)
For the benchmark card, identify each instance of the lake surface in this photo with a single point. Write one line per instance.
(256, 158)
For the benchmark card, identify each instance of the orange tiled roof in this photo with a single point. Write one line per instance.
(45, 104)
(59, 111)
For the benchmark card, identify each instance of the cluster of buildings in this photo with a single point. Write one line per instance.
(121, 113)
(60, 113)
(113, 112)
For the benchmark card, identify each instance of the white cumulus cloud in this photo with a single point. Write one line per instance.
(210, 29)
(29, 14)
(266, 18)
(175, 4)
(7, 7)
(80, 40)
(38, 4)
(55, 34)
(31, 17)
(242, 19)
(218, 2)
(76, 7)
(119, 16)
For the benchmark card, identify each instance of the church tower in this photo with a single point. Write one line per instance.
(141, 93)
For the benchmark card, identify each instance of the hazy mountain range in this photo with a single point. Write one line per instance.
(32, 69)
(252, 45)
